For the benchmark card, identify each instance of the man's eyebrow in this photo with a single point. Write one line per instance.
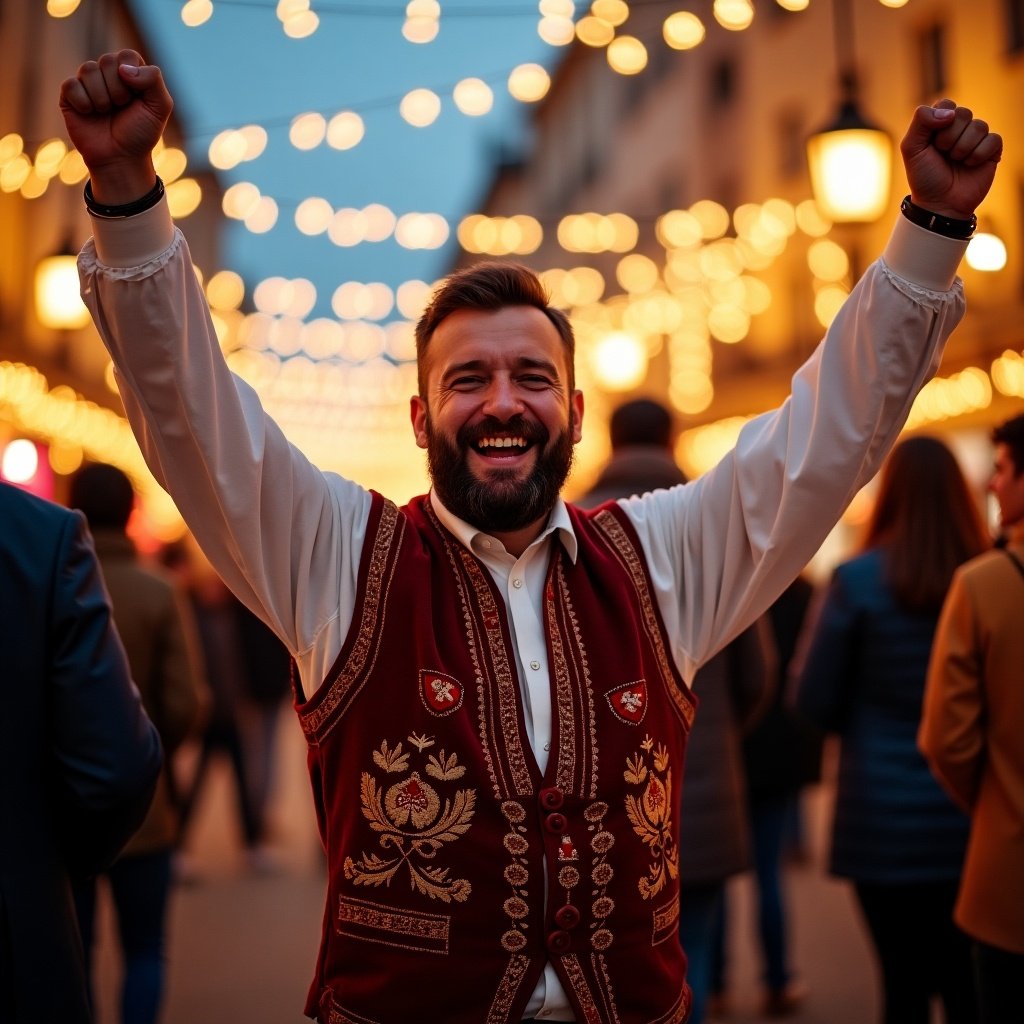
(522, 363)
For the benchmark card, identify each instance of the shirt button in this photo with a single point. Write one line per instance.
(551, 799)
(535, 664)
(517, 583)
(559, 941)
(567, 917)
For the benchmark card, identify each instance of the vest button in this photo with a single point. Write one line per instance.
(556, 823)
(559, 941)
(551, 799)
(567, 917)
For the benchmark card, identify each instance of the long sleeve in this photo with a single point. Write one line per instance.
(106, 750)
(951, 736)
(284, 536)
(722, 548)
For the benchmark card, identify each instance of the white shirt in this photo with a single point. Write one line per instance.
(287, 538)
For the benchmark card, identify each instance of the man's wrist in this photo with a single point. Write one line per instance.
(959, 227)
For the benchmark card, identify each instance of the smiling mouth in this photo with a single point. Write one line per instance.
(498, 446)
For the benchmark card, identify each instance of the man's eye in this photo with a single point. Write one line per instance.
(465, 382)
(534, 380)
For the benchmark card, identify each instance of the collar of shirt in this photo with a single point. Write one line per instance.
(475, 539)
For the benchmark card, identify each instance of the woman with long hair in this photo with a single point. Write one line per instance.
(896, 834)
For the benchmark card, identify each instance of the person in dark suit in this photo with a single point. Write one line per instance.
(78, 756)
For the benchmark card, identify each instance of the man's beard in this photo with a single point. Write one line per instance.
(503, 502)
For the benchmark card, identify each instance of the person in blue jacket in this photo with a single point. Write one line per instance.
(896, 834)
(78, 756)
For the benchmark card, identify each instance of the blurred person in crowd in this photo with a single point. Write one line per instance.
(78, 756)
(781, 755)
(155, 624)
(732, 687)
(971, 734)
(896, 834)
(468, 664)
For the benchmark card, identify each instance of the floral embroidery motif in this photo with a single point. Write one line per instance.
(517, 874)
(412, 821)
(650, 814)
(601, 874)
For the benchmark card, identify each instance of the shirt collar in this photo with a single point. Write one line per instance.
(558, 523)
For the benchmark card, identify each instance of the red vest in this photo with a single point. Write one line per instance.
(436, 821)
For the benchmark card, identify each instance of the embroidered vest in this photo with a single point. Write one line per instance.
(436, 821)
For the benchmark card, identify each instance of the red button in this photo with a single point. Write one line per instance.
(559, 942)
(556, 823)
(551, 799)
(567, 917)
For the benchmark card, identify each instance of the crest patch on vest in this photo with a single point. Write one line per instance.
(441, 694)
(629, 702)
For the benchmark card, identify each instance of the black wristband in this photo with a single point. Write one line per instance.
(140, 205)
(948, 226)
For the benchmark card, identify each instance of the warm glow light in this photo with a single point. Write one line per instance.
(528, 83)
(225, 290)
(307, 131)
(1008, 373)
(421, 231)
(49, 156)
(412, 298)
(712, 217)
(20, 461)
(828, 260)
(734, 15)
(810, 219)
(15, 173)
(170, 163)
(850, 173)
(345, 130)
(240, 200)
(615, 12)
(636, 273)
(313, 215)
(473, 97)
(619, 362)
(893, 3)
(793, 5)
(556, 30)
(61, 8)
(594, 31)
(263, 217)
(986, 252)
(420, 107)
(302, 25)
(626, 55)
(11, 146)
(227, 149)
(421, 30)
(183, 197)
(58, 303)
(828, 302)
(196, 12)
(683, 30)
(678, 229)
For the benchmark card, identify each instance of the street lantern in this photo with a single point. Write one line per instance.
(58, 303)
(851, 164)
(850, 159)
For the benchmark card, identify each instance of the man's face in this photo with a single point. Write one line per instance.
(1007, 484)
(498, 421)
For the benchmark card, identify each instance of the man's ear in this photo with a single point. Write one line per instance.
(418, 416)
(576, 407)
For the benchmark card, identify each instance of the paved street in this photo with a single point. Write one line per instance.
(242, 945)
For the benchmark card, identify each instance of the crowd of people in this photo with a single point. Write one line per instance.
(499, 689)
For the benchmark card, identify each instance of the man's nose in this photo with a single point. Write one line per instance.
(502, 400)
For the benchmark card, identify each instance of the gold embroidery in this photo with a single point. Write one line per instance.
(411, 802)
(336, 1015)
(623, 547)
(665, 919)
(601, 874)
(591, 1011)
(506, 994)
(373, 921)
(421, 742)
(445, 769)
(359, 663)
(651, 815)
(600, 968)
(517, 875)
(568, 877)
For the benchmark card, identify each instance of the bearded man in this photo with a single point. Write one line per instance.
(494, 684)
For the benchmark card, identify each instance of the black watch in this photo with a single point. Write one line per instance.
(948, 226)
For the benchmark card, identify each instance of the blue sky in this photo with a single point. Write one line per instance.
(241, 68)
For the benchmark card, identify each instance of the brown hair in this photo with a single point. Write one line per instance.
(1011, 433)
(927, 521)
(490, 285)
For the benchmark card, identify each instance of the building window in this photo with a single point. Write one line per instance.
(1014, 25)
(931, 48)
(723, 83)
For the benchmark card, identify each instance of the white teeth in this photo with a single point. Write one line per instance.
(502, 442)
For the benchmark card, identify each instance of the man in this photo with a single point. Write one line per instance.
(78, 757)
(640, 432)
(156, 627)
(971, 734)
(493, 683)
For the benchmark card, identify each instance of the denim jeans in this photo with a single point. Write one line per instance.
(139, 886)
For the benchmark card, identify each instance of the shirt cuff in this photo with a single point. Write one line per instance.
(923, 257)
(133, 241)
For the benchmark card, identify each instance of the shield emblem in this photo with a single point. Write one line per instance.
(629, 702)
(441, 694)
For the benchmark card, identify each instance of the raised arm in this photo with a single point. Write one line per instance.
(723, 548)
(284, 536)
